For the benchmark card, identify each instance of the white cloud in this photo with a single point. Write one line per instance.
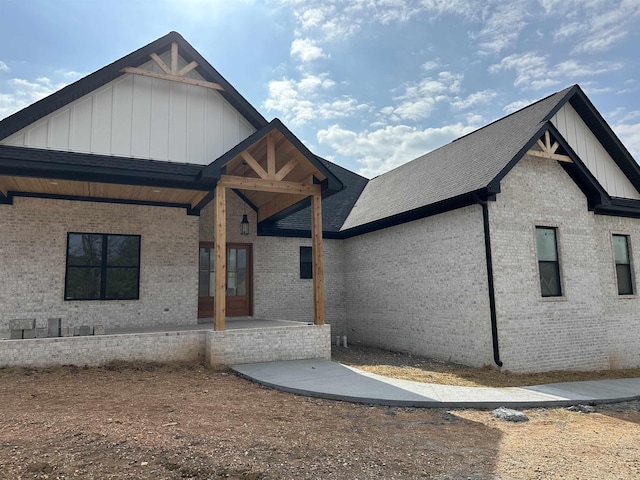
(306, 50)
(475, 99)
(533, 71)
(309, 99)
(596, 25)
(629, 133)
(24, 92)
(517, 105)
(503, 26)
(420, 99)
(3, 67)
(380, 150)
(431, 65)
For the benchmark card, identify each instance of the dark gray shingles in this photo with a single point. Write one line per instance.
(335, 208)
(463, 166)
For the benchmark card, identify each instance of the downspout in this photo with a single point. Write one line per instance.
(492, 294)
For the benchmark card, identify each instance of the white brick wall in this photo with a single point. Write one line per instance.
(33, 255)
(421, 288)
(226, 347)
(185, 346)
(268, 344)
(591, 326)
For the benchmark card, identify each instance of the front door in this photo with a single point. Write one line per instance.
(239, 280)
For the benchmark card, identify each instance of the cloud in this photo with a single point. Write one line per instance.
(383, 149)
(503, 26)
(596, 25)
(533, 71)
(3, 67)
(629, 133)
(420, 98)
(475, 99)
(517, 105)
(24, 92)
(306, 50)
(309, 99)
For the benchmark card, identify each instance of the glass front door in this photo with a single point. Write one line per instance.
(238, 301)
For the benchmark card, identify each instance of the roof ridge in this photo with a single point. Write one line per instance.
(564, 91)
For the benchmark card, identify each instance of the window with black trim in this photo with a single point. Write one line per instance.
(548, 264)
(102, 267)
(622, 258)
(306, 262)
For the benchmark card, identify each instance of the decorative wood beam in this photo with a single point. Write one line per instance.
(154, 56)
(220, 296)
(284, 171)
(253, 163)
(542, 146)
(173, 78)
(261, 185)
(277, 204)
(552, 156)
(187, 68)
(271, 157)
(547, 141)
(554, 147)
(174, 58)
(318, 276)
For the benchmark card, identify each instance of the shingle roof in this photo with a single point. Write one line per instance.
(335, 208)
(465, 165)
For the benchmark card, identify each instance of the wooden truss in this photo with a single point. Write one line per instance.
(171, 72)
(548, 150)
(265, 186)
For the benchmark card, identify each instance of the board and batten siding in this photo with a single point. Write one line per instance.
(142, 117)
(592, 153)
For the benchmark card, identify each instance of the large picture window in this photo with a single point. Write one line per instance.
(102, 267)
(548, 263)
(622, 258)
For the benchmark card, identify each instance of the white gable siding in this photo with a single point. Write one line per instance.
(592, 153)
(142, 117)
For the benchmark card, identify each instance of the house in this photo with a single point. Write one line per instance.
(512, 246)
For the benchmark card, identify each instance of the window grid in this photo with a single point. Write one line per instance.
(102, 267)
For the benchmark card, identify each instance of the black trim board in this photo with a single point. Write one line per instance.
(264, 227)
(190, 210)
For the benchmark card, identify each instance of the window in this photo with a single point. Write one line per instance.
(623, 264)
(548, 264)
(306, 262)
(102, 267)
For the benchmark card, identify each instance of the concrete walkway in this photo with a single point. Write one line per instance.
(326, 379)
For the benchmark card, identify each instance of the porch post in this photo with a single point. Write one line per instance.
(316, 238)
(221, 259)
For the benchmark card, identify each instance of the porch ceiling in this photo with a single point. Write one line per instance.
(56, 187)
(273, 159)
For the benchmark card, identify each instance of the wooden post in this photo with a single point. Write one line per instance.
(221, 259)
(316, 238)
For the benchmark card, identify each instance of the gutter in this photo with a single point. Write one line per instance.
(492, 295)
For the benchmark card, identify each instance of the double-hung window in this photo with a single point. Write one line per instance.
(548, 264)
(622, 258)
(102, 267)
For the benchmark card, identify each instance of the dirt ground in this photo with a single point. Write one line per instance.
(190, 422)
(421, 369)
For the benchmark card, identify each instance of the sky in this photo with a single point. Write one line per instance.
(368, 84)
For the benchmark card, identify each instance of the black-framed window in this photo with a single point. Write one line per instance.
(102, 267)
(622, 258)
(548, 264)
(306, 262)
